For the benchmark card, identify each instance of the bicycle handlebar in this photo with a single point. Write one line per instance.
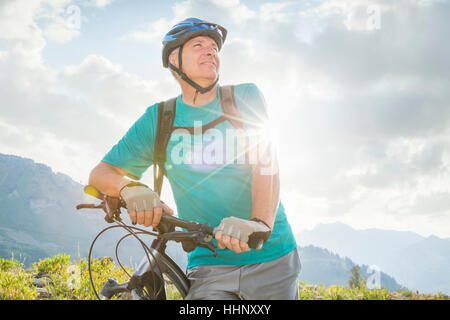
(111, 206)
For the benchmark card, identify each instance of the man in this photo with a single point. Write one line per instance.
(238, 197)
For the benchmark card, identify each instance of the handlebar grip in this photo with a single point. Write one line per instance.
(167, 218)
(93, 191)
(110, 205)
(255, 243)
(189, 225)
(255, 240)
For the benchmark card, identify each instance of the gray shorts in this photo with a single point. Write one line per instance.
(272, 280)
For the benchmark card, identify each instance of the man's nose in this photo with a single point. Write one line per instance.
(210, 51)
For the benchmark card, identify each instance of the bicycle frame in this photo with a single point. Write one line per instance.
(156, 263)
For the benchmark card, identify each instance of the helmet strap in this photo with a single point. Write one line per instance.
(180, 61)
(195, 96)
(183, 76)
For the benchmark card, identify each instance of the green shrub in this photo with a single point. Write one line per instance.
(16, 285)
(374, 294)
(51, 265)
(6, 265)
(71, 281)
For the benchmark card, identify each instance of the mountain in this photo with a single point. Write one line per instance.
(37, 210)
(320, 266)
(417, 262)
(38, 217)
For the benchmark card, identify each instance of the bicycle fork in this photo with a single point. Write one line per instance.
(147, 279)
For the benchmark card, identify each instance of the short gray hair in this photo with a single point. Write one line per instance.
(174, 51)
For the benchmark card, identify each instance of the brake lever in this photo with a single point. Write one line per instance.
(111, 206)
(89, 206)
(210, 246)
(190, 240)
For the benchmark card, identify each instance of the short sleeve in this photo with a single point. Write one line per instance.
(251, 104)
(134, 152)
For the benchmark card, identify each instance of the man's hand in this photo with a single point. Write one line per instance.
(234, 233)
(143, 205)
(232, 243)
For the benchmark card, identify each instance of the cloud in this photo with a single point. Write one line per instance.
(275, 12)
(344, 79)
(216, 11)
(80, 110)
(17, 20)
(151, 32)
(93, 99)
(35, 21)
(222, 12)
(97, 3)
(403, 163)
(432, 204)
(351, 99)
(63, 23)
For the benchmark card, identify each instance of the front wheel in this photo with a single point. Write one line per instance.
(161, 279)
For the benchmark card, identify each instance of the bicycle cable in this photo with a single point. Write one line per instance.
(146, 250)
(120, 224)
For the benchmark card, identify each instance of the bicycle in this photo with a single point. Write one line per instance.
(148, 282)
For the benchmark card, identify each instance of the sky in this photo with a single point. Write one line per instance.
(357, 93)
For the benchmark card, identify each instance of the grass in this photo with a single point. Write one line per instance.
(319, 292)
(59, 278)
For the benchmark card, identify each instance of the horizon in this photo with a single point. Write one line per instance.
(296, 232)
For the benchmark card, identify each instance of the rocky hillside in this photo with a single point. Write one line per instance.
(420, 263)
(320, 266)
(38, 217)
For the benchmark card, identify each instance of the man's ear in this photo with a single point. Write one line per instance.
(173, 59)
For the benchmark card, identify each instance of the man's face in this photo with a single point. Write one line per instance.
(200, 60)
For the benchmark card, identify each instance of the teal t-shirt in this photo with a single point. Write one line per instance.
(209, 176)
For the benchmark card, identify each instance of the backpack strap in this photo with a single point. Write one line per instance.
(230, 112)
(229, 108)
(166, 117)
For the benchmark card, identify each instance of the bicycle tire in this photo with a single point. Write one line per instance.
(163, 266)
